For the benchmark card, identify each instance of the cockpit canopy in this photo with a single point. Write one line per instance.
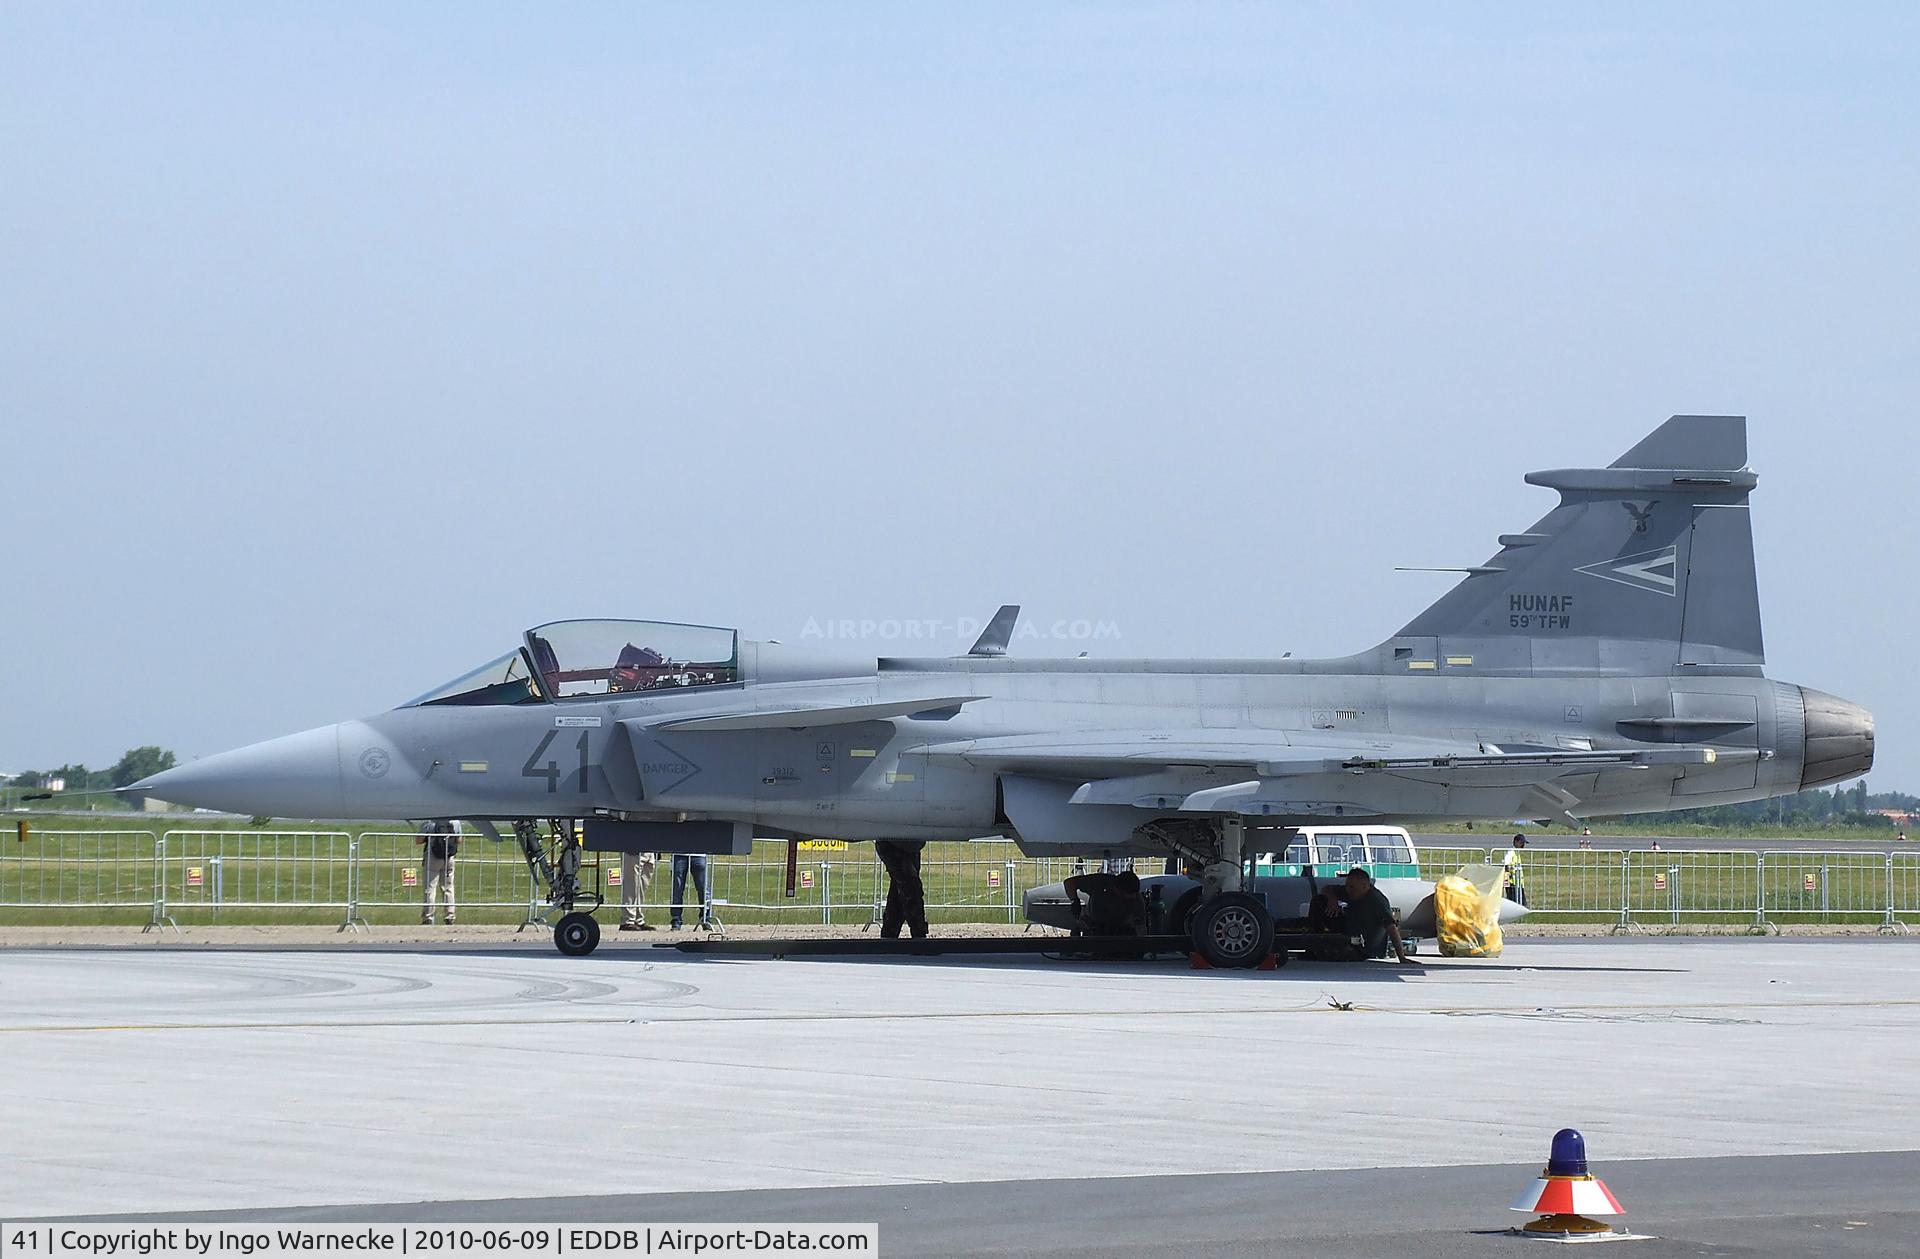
(507, 680)
(568, 659)
(614, 657)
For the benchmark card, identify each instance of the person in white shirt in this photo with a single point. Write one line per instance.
(636, 876)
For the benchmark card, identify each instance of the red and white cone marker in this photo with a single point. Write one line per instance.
(1567, 1196)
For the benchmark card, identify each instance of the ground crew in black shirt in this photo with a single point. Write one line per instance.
(906, 895)
(1369, 915)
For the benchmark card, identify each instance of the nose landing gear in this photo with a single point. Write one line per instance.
(554, 863)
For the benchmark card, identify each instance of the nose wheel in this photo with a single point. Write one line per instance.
(576, 934)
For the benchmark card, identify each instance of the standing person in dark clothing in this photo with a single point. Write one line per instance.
(906, 895)
(694, 863)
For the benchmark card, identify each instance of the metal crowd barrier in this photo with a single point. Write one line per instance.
(390, 872)
(1828, 887)
(1903, 888)
(88, 870)
(221, 871)
(254, 875)
(823, 888)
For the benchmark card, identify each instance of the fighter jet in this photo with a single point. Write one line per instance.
(1606, 660)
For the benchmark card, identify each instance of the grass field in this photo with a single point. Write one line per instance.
(112, 870)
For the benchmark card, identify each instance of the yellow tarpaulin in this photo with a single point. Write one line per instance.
(1466, 912)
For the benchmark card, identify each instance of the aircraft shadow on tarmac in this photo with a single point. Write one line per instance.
(1297, 968)
(1346, 972)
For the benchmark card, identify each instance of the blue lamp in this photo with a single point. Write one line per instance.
(1568, 1156)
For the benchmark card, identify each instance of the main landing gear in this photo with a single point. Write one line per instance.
(1232, 928)
(554, 862)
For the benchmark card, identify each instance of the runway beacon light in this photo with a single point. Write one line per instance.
(1567, 1195)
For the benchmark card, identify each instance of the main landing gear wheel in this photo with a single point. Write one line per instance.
(1233, 930)
(577, 934)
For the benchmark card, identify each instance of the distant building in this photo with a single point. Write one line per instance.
(56, 784)
(1902, 817)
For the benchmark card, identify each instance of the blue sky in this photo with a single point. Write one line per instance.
(340, 343)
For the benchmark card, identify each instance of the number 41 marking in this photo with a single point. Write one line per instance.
(551, 770)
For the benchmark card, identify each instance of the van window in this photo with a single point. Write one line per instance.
(1340, 848)
(1390, 849)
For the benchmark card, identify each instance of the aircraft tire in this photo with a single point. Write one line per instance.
(1233, 931)
(576, 934)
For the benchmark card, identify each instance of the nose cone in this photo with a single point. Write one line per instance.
(295, 776)
(1839, 739)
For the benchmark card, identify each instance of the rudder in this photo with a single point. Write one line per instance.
(1646, 565)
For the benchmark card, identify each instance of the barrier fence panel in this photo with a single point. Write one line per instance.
(1903, 888)
(1435, 862)
(1825, 886)
(1580, 884)
(752, 890)
(975, 891)
(490, 881)
(53, 869)
(1676, 887)
(211, 871)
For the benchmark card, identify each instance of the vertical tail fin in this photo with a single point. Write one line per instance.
(1645, 565)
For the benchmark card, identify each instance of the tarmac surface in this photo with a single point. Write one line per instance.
(1739, 1095)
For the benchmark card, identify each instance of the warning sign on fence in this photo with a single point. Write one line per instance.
(613, 876)
(806, 878)
(1810, 883)
(194, 876)
(993, 878)
(1659, 882)
(409, 877)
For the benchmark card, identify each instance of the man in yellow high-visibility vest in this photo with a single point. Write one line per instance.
(1513, 878)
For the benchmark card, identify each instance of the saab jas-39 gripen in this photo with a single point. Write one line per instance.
(1604, 661)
